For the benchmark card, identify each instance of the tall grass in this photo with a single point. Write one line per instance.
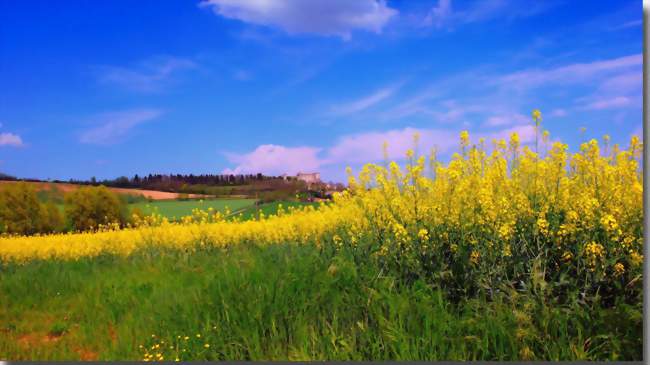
(282, 302)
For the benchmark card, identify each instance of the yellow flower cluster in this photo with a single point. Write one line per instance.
(302, 225)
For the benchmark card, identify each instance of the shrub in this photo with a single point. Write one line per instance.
(89, 207)
(20, 210)
(52, 218)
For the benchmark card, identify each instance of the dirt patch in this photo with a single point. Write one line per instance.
(50, 338)
(150, 194)
(27, 340)
(87, 355)
(112, 334)
(35, 339)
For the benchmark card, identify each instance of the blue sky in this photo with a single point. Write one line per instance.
(121, 87)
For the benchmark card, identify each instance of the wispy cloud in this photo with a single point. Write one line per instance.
(113, 127)
(440, 14)
(10, 139)
(444, 15)
(365, 102)
(323, 17)
(630, 24)
(152, 75)
(507, 119)
(496, 99)
(616, 102)
(622, 83)
(574, 73)
(623, 90)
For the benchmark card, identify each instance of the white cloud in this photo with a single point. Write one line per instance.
(365, 102)
(149, 76)
(115, 126)
(526, 133)
(325, 17)
(10, 139)
(359, 148)
(616, 102)
(368, 147)
(275, 160)
(440, 14)
(507, 119)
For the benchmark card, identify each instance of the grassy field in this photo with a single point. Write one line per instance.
(271, 208)
(280, 302)
(179, 208)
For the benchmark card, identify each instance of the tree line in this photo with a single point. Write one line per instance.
(174, 182)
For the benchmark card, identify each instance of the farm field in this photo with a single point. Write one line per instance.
(323, 180)
(501, 254)
(271, 208)
(180, 208)
(65, 188)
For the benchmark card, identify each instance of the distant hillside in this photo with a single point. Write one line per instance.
(66, 187)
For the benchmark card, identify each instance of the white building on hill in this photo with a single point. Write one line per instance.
(309, 178)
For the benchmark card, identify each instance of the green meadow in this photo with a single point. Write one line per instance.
(180, 208)
(271, 208)
(285, 302)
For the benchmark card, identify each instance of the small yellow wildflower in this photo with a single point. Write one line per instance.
(423, 234)
(619, 269)
(507, 251)
(464, 138)
(537, 116)
(474, 257)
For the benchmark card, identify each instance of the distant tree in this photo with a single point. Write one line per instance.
(22, 213)
(88, 207)
(4, 176)
(52, 218)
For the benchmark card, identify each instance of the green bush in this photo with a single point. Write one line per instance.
(22, 213)
(89, 207)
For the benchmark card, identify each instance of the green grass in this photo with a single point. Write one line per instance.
(285, 302)
(179, 208)
(271, 208)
